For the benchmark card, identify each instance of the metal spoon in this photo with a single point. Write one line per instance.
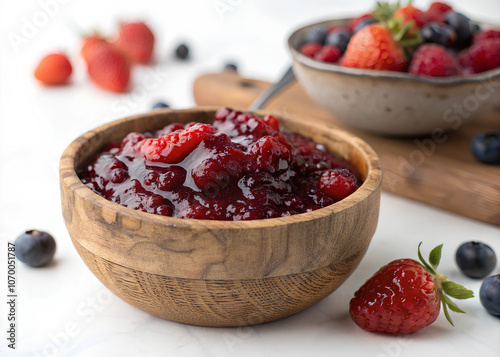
(272, 90)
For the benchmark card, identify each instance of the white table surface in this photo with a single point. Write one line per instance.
(63, 310)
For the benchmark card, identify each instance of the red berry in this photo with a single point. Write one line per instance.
(176, 146)
(272, 121)
(482, 36)
(404, 296)
(108, 68)
(328, 53)
(409, 13)
(434, 61)
(437, 12)
(440, 7)
(373, 47)
(136, 41)
(400, 298)
(53, 69)
(481, 56)
(357, 20)
(338, 183)
(269, 155)
(91, 44)
(310, 49)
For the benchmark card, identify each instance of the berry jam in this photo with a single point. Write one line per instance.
(240, 168)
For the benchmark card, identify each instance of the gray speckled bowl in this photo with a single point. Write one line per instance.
(393, 103)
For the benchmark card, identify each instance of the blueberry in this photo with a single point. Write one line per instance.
(231, 67)
(35, 248)
(486, 147)
(490, 294)
(364, 23)
(462, 26)
(476, 260)
(338, 39)
(317, 34)
(182, 51)
(474, 27)
(160, 105)
(442, 35)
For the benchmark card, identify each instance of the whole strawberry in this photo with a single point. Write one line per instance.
(373, 47)
(410, 15)
(136, 41)
(405, 296)
(434, 61)
(108, 68)
(53, 69)
(93, 43)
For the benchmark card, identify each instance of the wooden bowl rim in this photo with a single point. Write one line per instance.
(393, 76)
(371, 183)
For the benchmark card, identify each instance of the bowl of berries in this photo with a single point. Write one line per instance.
(219, 217)
(399, 70)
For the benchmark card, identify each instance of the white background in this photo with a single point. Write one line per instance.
(63, 310)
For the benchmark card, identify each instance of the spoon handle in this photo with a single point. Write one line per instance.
(272, 90)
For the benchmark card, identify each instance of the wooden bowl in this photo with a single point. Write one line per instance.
(393, 103)
(219, 273)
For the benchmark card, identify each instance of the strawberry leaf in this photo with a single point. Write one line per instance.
(435, 256)
(456, 290)
(384, 11)
(449, 303)
(445, 309)
(426, 265)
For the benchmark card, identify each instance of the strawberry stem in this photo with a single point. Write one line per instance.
(444, 286)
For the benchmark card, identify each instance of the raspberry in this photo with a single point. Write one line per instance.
(440, 7)
(338, 183)
(328, 53)
(310, 49)
(174, 147)
(481, 56)
(437, 12)
(482, 36)
(434, 61)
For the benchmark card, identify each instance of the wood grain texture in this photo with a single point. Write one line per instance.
(438, 170)
(216, 273)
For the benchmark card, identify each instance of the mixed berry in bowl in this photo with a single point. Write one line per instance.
(438, 42)
(241, 167)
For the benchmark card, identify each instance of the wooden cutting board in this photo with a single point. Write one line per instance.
(441, 173)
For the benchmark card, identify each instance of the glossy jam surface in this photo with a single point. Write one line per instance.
(240, 168)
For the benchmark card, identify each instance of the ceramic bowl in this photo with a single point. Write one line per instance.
(393, 103)
(219, 273)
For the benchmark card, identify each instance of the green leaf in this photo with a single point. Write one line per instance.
(456, 290)
(384, 11)
(435, 256)
(453, 307)
(426, 265)
(446, 313)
